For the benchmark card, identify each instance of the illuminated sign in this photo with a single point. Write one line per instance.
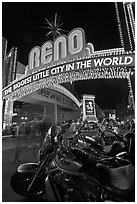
(69, 59)
(89, 112)
(63, 47)
(89, 107)
(54, 96)
(69, 47)
(91, 68)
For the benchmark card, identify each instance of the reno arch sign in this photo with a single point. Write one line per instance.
(67, 59)
(70, 47)
(64, 47)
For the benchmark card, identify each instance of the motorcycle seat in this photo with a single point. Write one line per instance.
(119, 182)
(116, 148)
(89, 166)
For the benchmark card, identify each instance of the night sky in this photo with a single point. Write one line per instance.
(21, 25)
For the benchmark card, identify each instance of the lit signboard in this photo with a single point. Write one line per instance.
(67, 48)
(69, 59)
(89, 111)
(63, 47)
(89, 106)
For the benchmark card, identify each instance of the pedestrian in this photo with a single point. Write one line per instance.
(27, 134)
(13, 131)
(17, 130)
(18, 147)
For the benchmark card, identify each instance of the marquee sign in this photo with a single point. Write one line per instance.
(64, 47)
(69, 59)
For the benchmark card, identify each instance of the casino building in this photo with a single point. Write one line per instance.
(44, 89)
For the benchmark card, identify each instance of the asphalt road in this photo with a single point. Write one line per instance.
(9, 148)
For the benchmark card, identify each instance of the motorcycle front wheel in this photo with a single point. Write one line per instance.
(20, 183)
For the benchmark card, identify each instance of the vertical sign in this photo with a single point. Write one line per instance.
(4, 50)
(10, 67)
(89, 111)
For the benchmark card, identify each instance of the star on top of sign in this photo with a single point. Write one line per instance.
(54, 26)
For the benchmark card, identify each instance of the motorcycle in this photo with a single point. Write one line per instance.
(121, 149)
(99, 141)
(93, 169)
(66, 173)
(29, 178)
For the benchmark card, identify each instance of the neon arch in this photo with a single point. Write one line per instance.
(87, 64)
(28, 84)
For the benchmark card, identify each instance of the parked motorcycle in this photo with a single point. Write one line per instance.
(68, 173)
(29, 178)
(93, 167)
(99, 142)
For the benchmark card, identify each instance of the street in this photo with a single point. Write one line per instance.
(9, 149)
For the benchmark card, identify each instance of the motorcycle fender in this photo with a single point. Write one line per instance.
(28, 168)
